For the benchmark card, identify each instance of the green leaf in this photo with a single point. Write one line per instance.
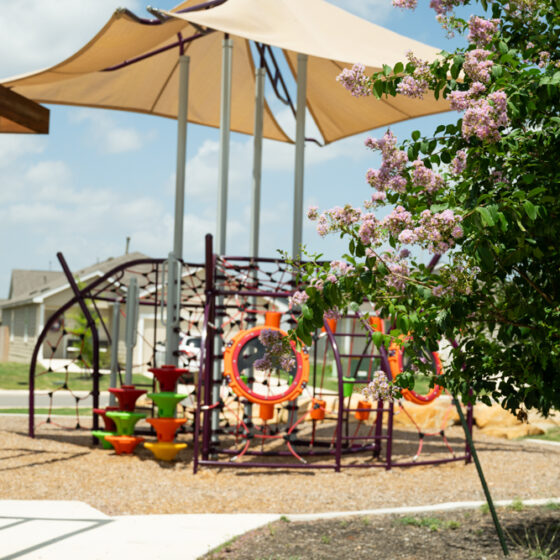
(486, 216)
(486, 258)
(377, 338)
(378, 88)
(307, 311)
(387, 70)
(530, 209)
(497, 70)
(503, 221)
(402, 323)
(415, 135)
(398, 68)
(354, 306)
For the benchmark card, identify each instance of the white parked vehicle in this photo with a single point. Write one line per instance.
(189, 352)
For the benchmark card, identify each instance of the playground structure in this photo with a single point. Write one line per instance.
(308, 417)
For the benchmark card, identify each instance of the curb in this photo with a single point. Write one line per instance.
(545, 441)
(448, 506)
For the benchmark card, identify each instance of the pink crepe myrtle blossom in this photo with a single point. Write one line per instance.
(299, 298)
(484, 117)
(341, 268)
(407, 236)
(459, 162)
(417, 85)
(443, 7)
(337, 218)
(477, 66)
(276, 355)
(426, 178)
(544, 58)
(355, 80)
(312, 213)
(413, 87)
(380, 388)
(405, 4)
(333, 313)
(368, 231)
(398, 220)
(482, 31)
(387, 177)
(438, 232)
(317, 283)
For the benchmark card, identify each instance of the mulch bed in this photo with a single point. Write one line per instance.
(457, 535)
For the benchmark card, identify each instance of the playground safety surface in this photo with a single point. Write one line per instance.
(457, 535)
(63, 465)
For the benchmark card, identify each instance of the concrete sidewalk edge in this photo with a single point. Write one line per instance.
(447, 506)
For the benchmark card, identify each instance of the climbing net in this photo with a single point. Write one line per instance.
(260, 412)
(63, 364)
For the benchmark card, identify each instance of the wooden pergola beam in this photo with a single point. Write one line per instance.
(21, 115)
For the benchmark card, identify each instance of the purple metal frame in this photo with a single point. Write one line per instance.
(207, 454)
(79, 296)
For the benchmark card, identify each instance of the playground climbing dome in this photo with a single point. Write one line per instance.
(311, 417)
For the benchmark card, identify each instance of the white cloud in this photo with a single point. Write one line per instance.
(40, 33)
(15, 146)
(107, 136)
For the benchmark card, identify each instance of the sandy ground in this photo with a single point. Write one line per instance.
(63, 464)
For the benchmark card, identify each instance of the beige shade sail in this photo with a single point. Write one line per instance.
(150, 85)
(333, 39)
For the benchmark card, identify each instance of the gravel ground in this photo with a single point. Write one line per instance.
(457, 535)
(62, 464)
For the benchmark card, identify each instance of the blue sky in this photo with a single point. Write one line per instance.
(100, 176)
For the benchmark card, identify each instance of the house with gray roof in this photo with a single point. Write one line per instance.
(34, 296)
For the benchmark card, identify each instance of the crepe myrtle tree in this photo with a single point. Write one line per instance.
(481, 195)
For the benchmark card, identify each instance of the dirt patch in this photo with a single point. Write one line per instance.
(457, 535)
(64, 465)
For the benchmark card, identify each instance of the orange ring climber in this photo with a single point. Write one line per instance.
(396, 355)
(294, 384)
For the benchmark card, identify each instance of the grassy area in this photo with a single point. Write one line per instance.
(551, 435)
(55, 411)
(421, 384)
(16, 376)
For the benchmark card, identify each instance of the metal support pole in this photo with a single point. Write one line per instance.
(223, 172)
(131, 327)
(260, 74)
(174, 276)
(115, 350)
(173, 319)
(181, 155)
(300, 148)
(225, 123)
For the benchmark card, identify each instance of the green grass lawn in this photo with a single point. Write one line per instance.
(16, 376)
(55, 411)
(551, 435)
(421, 383)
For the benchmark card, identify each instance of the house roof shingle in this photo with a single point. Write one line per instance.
(27, 284)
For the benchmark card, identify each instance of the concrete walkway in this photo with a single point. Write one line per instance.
(64, 530)
(68, 530)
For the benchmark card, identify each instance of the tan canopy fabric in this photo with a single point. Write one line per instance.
(150, 85)
(333, 39)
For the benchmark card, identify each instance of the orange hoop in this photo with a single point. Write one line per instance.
(298, 377)
(396, 355)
